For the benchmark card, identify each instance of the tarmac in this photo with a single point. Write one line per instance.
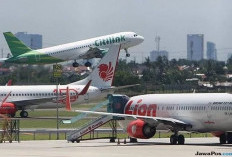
(155, 147)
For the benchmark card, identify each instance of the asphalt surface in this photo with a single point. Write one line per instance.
(102, 148)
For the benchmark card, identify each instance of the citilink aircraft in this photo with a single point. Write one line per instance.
(84, 49)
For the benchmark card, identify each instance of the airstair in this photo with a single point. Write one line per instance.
(87, 128)
(114, 104)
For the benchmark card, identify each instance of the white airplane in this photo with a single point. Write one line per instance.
(96, 86)
(194, 112)
(85, 49)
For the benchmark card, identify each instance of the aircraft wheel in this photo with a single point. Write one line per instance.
(88, 64)
(127, 55)
(112, 140)
(133, 140)
(12, 115)
(222, 139)
(173, 140)
(75, 64)
(229, 137)
(181, 139)
(24, 114)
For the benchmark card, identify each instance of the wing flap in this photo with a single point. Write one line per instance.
(167, 121)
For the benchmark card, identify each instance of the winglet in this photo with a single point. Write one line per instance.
(85, 89)
(9, 83)
(68, 104)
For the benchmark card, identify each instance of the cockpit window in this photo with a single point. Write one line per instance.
(135, 35)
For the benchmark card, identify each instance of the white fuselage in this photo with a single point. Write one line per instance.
(204, 111)
(73, 51)
(44, 96)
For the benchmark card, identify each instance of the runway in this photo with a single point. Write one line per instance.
(102, 148)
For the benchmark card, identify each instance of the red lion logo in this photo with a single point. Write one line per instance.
(106, 71)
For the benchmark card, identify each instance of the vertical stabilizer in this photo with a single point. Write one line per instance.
(103, 74)
(16, 46)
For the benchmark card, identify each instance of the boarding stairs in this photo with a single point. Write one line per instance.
(115, 104)
(87, 128)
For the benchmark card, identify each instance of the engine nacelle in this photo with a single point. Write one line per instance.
(140, 129)
(217, 133)
(8, 108)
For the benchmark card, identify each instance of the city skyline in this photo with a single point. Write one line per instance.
(72, 20)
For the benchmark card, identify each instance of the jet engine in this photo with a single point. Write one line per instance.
(140, 129)
(8, 108)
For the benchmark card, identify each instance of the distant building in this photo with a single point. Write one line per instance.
(155, 54)
(229, 56)
(195, 47)
(211, 51)
(34, 41)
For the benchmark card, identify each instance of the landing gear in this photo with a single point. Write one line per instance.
(112, 140)
(177, 138)
(229, 137)
(222, 139)
(173, 139)
(127, 54)
(24, 114)
(181, 139)
(133, 140)
(75, 64)
(88, 64)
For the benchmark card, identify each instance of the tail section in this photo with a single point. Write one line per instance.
(16, 46)
(103, 74)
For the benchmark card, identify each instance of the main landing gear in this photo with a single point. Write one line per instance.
(175, 138)
(75, 64)
(88, 64)
(127, 53)
(226, 137)
(24, 114)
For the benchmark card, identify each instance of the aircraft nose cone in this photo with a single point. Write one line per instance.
(141, 38)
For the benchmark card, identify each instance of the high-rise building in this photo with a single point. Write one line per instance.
(211, 51)
(195, 47)
(34, 41)
(155, 54)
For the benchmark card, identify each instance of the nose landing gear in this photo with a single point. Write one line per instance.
(127, 53)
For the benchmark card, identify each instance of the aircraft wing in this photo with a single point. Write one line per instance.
(167, 121)
(93, 53)
(119, 87)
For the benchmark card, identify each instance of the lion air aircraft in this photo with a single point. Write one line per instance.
(97, 85)
(85, 49)
(194, 112)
